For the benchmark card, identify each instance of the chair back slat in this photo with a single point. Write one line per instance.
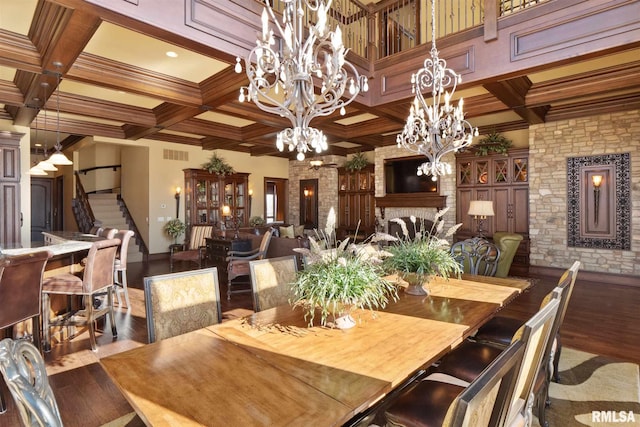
(535, 334)
(484, 402)
(476, 256)
(178, 303)
(271, 280)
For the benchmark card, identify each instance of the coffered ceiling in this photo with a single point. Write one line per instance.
(119, 82)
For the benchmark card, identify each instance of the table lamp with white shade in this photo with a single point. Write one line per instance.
(480, 210)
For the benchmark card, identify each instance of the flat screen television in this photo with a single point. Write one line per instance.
(400, 177)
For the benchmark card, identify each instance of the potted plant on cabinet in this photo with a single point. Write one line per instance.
(427, 254)
(338, 279)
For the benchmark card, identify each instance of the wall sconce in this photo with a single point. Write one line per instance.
(597, 181)
(178, 190)
(480, 210)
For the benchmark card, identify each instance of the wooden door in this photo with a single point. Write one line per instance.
(41, 213)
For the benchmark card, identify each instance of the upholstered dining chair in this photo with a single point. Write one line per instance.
(177, 303)
(107, 232)
(120, 266)
(196, 250)
(95, 230)
(470, 358)
(271, 280)
(436, 401)
(476, 256)
(238, 263)
(25, 374)
(21, 291)
(497, 332)
(95, 279)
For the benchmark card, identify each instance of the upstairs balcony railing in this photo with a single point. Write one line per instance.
(383, 28)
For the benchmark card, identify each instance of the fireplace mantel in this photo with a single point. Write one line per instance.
(411, 200)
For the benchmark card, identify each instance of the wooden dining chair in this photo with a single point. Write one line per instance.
(177, 303)
(436, 401)
(476, 256)
(25, 374)
(271, 280)
(95, 279)
(108, 232)
(120, 266)
(470, 358)
(238, 263)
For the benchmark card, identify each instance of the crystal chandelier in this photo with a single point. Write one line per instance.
(434, 130)
(281, 79)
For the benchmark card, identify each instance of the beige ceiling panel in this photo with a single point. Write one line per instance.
(357, 119)
(345, 144)
(51, 115)
(7, 73)
(92, 91)
(224, 119)
(119, 44)
(16, 15)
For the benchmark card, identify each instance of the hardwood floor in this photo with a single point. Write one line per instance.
(600, 319)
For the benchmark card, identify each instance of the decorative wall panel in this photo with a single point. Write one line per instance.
(599, 201)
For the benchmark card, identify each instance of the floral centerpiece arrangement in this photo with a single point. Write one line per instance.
(427, 254)
(340, 278)
(175, 228)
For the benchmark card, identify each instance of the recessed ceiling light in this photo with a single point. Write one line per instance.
(172, 54)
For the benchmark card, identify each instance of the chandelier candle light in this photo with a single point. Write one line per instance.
(282, 81)
(435, 130)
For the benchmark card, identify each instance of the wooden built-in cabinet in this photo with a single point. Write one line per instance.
(206, 193)
(10, 189)
(356, 202)
(504, 180)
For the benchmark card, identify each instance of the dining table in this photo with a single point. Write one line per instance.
(271, 368)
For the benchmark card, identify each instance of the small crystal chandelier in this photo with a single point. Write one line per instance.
(282, 81)
(435, 130)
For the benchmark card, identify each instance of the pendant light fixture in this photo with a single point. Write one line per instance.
(58, 158)
(44, 164)
(432, 129)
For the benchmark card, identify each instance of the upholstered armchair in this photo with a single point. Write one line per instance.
(508, 244)
(196, 251)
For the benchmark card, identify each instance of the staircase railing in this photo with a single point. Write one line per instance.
(86, 219)
(132, 226)
(81, 208)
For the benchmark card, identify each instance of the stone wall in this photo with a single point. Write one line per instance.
(550, 145)
(327, 187)
(447, 188)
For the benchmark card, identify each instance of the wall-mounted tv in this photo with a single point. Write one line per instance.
(400, 176)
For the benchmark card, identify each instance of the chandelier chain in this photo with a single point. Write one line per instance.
(437, 129)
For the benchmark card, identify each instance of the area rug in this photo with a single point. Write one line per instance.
(594, 391)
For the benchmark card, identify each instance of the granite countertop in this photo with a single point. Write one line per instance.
(68, 247)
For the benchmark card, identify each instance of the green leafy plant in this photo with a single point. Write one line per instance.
(218, 165)
(256, 221)
(427, 254)
(492, 143)
(339, 278)
(357, 162)
(175, 228)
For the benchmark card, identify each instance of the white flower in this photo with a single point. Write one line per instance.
(403, 225)
(331, 222)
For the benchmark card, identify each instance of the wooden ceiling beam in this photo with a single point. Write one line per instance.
(177, 139)
(512, 93)
(92, 69)
(595, 107)
(17, 51)
(106, 110)
(207, 128)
